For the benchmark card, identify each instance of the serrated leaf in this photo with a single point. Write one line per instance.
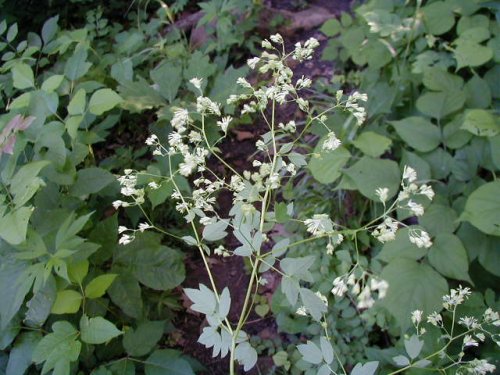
(58, 349)
(98, 286)
(103, 100)
(203, 299)
(97, 330)
(168, 77)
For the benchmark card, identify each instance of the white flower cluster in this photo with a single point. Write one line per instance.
(386, 231)
(362, 288)
(352, 105)
(128, 235)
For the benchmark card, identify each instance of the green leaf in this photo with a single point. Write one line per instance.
(418, 133)
(368, 174)
(481, 123)
(52, 83)
(168, 77)
(98, 286)
(9, 333)
(448, 256)
(495, 150)
(90, 181)
(78, 270)
(438, 17)
(58, 349)
(413, 346)
(66, 234)
(315, 306)
(246, 355)
(25, 182)
(14, 225)
(369, 368)
(143, 339)
(160, 195)
(22, 76)
(412, 286)
(97, 330)
(439, 218)
(310, 353)
(125, 292)
(478, 93)
(331, 27)
(77, 65)
(401, 247)
(103, 100)
(215, 231)
(12, 32)
(372, 144)
(20, 357)
(167, 362)
(49, 29)
(326, 349)
(77, 104)
(40, 305)
(67, 302)
(12, 273)
(482, 208)
(437, 79)
(328, 167)
(440, 104)
(123, 367)
(203, 299)
(471, 54)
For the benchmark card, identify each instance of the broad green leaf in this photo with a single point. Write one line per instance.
(328, 166)
(40, 305)
(481, 123)
(401, 360)
(77, 104)
(58, 349)
(331, 27)
(439, 218)
(72, 124)
(14, 225)
(12, 32)
(438, 79)
(453, 136)
(78, 270)
(412, 286)
(495, 150)
(98, 286)
(471, 54)
(22, 76)
(478, 93)
(67, 302)
(52, 83)
(310, 353)
(25, 182)
(91, 180)
(12, 273)
(326, 349)
(10, 332)
(418, 133)
(246, 355)
(20, 357)
(448, 256)
(199, 66)
(168, 77)
(215, 231)
(482, 208)
(167, 362)
(369, 368)
(97, 330)
(160, 195)
(369, 174)
(49, 29)
(438, 17)
(401, 247)
(224, 303)
(440, 104)
(125, 292)
(413, 346)
(123, 367)
(103, 100)
(372, 144)
(140, 341)
(481, 247)
(77, 65)
(66, 234)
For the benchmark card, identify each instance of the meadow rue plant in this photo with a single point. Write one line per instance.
(257, 207)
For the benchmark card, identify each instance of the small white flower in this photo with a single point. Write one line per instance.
(339, 287)
(480, 367)
(266, 44)
(122, 229)
(416, 208)
(224, 123)
(196, 82)
(276, 38)
(435, 319)
(302, 310)
(144, 226)
(331, 142)
(319, 224)
(427, 191)
(419, 238)
(469, 341)
(409, 174)
(153, 185)
(416, 316)
(117, 204)
(322, 298)
(125, 239)
(152, 140)
(382, 194)
(252, 63)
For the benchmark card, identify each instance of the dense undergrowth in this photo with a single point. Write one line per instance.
(368, 195)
